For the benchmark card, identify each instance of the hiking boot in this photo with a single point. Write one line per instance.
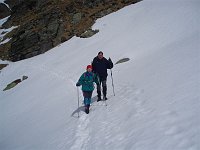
(87, 109)
(99, 99)
(105, 98)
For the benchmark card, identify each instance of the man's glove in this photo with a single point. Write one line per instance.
(110, 63)
(78, 84)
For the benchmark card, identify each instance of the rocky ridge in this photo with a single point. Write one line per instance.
(44, 24)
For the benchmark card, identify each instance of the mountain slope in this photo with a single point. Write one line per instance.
(156, 105)
(42, 25)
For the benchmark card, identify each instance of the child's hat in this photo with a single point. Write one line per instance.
(89, 66)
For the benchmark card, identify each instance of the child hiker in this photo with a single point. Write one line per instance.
(87, 80)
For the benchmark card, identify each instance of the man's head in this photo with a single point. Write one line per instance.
(100, 55)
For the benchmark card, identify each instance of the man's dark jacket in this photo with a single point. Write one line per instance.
(100, 66)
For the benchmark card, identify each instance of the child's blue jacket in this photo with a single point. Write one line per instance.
(87, 80)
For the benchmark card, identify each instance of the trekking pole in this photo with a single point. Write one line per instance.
(78, 101)
(105, 101)
(112, 82)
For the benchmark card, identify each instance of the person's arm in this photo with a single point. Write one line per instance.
(94, 65)
(109, 63)
(96, 79)
(80, 81)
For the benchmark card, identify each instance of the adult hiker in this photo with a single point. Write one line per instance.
(100, 65)
(87, 80)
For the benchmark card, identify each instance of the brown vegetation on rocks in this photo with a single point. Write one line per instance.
(43, 24)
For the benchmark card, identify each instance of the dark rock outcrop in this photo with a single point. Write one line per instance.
(14, 83)
(3, 66)
(44, 24)
(12, 3)
(122, 60)
(4, 11)
(89, 33)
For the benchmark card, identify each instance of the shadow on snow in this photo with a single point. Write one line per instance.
(82, 108)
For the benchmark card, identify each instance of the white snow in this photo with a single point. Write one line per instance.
(5, 41)
(156, 106)
(3, 20)
(3, 32)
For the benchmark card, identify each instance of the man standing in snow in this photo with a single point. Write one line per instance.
(100, 65)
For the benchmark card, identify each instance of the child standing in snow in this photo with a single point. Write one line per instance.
(87, 80)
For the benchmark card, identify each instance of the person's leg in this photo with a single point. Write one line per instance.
(87, 97)
(99, 90)
(104, 88)
(87, 100)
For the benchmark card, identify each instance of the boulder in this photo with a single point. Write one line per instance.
(89, 33)
(24, 78)
(76, 18)
(12, 84)
(122, 60)
(3, 66)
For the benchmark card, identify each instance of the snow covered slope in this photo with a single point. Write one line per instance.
(156, 106)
